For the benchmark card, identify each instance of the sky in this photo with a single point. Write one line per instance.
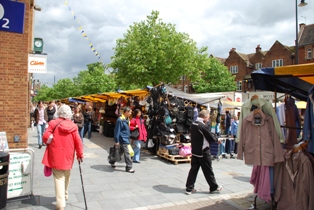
(218, 24)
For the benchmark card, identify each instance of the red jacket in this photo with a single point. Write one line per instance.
(141, 126)
(66, 141)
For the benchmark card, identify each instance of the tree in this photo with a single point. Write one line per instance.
(152, 52)
(216, 78)
(94, 80)
(90, 81)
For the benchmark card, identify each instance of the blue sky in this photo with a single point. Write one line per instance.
(218, 24)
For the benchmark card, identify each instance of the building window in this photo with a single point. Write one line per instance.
(258, 65)
(239, 85)
(234, 69)
(309, 54)
(278, 62)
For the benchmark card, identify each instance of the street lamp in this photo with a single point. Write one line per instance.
(302, 4)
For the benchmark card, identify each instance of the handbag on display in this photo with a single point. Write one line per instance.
(185, 151)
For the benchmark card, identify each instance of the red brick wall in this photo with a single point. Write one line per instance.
(14, 86)
(278, 51)
(303, 54)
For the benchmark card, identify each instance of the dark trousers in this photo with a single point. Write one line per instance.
(206, 163)
(127, 157)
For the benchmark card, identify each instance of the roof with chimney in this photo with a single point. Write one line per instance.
(306, 35)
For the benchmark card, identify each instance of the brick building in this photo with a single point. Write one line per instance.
(14, 77)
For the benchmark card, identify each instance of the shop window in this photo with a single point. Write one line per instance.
(234, 69)
(258, 65)
(239, 85)
(309, 54)
(278, 62)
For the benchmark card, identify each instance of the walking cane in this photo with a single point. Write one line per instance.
(82, 183)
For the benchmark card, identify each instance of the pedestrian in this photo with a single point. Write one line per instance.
(60, 152)
(201, 138)
(228, 123)
(78, 119)
(234, 130)
(88, 119)
(41, 118)
(138, 122)
(50, 110)
(122, 138)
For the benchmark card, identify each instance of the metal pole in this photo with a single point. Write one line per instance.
(296, 34)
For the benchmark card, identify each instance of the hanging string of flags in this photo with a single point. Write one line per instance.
(83, 33)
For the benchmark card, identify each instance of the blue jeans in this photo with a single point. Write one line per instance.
(222, 147)
(137, 150)
(40, 131)
(217, 129)
(81, 132)
(88, 128)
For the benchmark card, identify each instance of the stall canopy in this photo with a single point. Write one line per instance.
(295, 80)
(201, 98)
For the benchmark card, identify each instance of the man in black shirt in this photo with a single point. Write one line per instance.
(201, 138)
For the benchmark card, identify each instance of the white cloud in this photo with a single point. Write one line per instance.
(218, 24)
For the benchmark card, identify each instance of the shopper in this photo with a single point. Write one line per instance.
(228, 123)
(122, 138)
(50, 111)
(138, 122)
(41, 118)
(60, 152)
(201, 138)
(234, 130)
(88, 119)
(78, 119)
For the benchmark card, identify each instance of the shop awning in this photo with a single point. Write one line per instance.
(295, 80)
(138, 92)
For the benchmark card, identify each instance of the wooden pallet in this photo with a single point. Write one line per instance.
(175, 158)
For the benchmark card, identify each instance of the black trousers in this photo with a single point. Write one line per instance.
(206, 163)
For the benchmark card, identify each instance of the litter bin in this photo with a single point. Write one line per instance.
(4, 173)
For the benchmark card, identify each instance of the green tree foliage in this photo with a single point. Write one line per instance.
(216, 78)
(153, 51)
(90, 81)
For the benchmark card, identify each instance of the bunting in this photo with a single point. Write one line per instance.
(83, 33)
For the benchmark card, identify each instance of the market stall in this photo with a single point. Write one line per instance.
(287, 176)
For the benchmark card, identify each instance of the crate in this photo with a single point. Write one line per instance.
(175, 158)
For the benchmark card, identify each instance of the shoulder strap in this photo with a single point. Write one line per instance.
(57, 125)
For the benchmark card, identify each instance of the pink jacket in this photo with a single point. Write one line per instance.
(141, 126)
(259, 143)
(60, 152)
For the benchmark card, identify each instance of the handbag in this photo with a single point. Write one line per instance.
(131, 151)
(47, 171)
(134, 134)
(185, 151)
(114, 154)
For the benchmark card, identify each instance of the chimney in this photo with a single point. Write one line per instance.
(232, 49)
(301, 26)
(258, 48)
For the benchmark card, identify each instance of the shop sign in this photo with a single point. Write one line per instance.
(12, 16)
(37, 63)
(19, 183)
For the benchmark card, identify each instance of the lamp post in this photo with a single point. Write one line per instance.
(302, 4)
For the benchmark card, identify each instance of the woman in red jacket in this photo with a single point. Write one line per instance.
(63, 140)
(138, 122)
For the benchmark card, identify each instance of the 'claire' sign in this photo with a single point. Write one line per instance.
(37, 63)
(12, 16)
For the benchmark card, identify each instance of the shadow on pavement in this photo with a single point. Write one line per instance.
(167, 189)
(46, 202)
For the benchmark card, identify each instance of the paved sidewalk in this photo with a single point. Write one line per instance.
(156, 184)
